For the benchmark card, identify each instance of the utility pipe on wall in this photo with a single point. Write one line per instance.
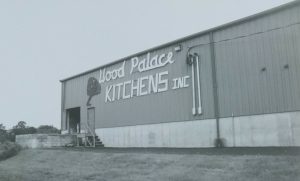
(214, 80)
(198, 84)
(191, 60)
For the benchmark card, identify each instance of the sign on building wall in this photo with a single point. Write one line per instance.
(144, 85)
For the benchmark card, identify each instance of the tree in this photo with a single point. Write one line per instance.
(3, 133)
(46, 129)
(20, 125)
(21, 128)
(2, 127)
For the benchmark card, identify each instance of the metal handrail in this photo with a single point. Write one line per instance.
(93, 134)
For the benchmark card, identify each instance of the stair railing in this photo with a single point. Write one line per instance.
(88, 129)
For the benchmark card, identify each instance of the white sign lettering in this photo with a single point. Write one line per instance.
(106, 76)
(149, 84)
(150, 63)
(180, 82)
(138, 87)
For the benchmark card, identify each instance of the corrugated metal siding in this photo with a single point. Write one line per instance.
(243, 87)
(281, 18)
(169, 106)
(76, 94)
(75, 90)
(241, 52)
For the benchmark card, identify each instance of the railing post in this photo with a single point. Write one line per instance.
(88, 129)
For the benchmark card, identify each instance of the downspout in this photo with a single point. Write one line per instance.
(218, 141)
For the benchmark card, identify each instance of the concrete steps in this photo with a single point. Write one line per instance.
(89, 141)
(98, 142)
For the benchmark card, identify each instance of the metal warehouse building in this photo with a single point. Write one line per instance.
(238, 84)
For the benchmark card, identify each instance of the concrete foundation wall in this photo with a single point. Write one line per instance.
(199, 133)
(64, 131)
(43, 140)
(281, 129)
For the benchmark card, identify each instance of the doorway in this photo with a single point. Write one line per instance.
(73, 120)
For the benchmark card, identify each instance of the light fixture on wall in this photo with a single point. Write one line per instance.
(177, 48)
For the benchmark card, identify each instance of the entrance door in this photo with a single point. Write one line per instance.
(91, 118)
(73, 120)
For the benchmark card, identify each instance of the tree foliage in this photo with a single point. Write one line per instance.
(2, 127)
(3, 133)
(47, 129)
(20, 125)
(22, 128)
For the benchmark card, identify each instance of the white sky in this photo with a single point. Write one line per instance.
(43, 41)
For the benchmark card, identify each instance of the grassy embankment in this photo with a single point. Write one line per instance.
(8, 149)
(69, 165)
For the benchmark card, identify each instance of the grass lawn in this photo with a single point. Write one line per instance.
(70, 165)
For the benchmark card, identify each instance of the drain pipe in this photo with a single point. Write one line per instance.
(218, 142)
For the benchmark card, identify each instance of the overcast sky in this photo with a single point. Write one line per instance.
(43, 41)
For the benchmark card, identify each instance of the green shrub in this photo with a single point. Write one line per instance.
(47, 129)
(8, 149)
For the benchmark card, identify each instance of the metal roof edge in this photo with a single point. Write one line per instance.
(263, 13)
